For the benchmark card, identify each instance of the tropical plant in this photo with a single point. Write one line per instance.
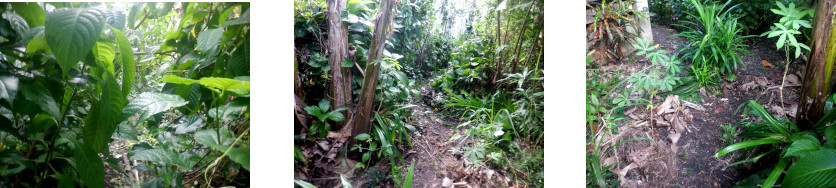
(729, 133)
(323, 113)
(714, 40)
(791, 21)
(86, 86)
(814, 166)
(608, 32)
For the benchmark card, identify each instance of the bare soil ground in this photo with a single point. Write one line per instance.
(690, 162)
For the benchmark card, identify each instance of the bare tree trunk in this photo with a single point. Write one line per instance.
(519, 40)
(816, 87)
(498, 44)
(337, 51)
(382, 30)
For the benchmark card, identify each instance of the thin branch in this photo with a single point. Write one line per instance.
(143, 19)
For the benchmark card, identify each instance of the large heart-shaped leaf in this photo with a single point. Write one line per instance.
(71, 33)
(815, 169)
(209, 39)
(148, 104)
(161, 155)
(89, 165)
(127, 57)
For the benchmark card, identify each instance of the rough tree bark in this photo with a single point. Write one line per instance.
(337, 51)
(815, 86)
(382, 30)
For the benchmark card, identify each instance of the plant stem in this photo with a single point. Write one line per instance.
(784, 79)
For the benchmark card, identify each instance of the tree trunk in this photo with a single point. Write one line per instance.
(382, 23)
(498, 43)
(816, 87)
(519, 40)
(337, 51)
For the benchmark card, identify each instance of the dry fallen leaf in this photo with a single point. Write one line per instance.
(793, 110)
(718, 110)
(792, 80)
(766, 63)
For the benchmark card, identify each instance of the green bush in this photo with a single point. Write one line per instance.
(714, 40)
(608, 31)
(815, 165)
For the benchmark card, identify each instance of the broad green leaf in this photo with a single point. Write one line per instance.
(104, 51)
(803, 145)
(227, 112)
(64, 181)
(104, 116)
(71, 33)
(362, 136)
(161, 155)
(240, 156)
(40, 97)
(41, 122)
(830, 134)
(177, 80)
(36, 44)
(815, 169)
(347, 63)
(313, 110)
(189, 125)
(31, 12)
(89, 166)
(148, 104)
(209, 39)
(239, 62)
(224, 83)
(324, 105)
(127, 57)
(116, 19)
(210, 138)
(124, 132)
(8, 88)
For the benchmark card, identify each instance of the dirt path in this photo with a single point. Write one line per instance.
(691, 162)
(435, 166)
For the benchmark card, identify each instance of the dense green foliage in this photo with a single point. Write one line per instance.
(715, 44)
(814, 166)
(486, 74)
(86, 87)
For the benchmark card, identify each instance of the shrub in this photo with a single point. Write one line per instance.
(608, 33)
(714, 39)
(816, 162)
